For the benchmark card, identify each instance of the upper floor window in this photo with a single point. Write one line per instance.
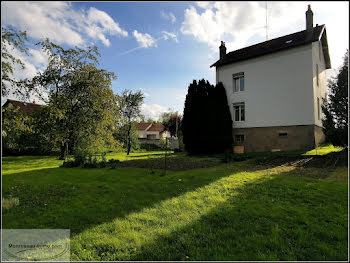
(318, 109)
(239, 111)
(317, 74)
(238, 82)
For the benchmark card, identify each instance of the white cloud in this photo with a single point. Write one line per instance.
(60, 22)
(168, 16)
(241, 24)
(167, 35)
(144, 40)
(152, 111)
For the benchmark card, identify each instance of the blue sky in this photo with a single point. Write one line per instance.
(160, 47)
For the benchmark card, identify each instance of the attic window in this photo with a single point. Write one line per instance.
(289, 41)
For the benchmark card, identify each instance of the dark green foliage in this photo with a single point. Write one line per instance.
(129, 104)
(10, 40)
(22, 132)
(335, 122)
(207, 123)
(172, 122)
(127, 132)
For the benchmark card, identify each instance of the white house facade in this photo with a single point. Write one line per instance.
(275, 90)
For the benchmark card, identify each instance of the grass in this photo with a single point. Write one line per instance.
(233, 211)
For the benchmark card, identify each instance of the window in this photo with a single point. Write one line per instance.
(151, 136)
(238, 82)
(239, 138)
(317, 74)
(239, 111)
(282, 134)
(318, 108)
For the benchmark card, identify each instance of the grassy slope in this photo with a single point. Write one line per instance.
(236, 211)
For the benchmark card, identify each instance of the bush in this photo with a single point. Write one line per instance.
(227, 156)
(70, 164)
(113, 161)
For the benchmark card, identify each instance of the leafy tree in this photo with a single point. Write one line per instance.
(122, 136)
(335, 121)
(206, 124)
(10, 39)
(172, 122)
(129, 104)
(15, 126)
(223, 119)
(21, 132)
(82, 107)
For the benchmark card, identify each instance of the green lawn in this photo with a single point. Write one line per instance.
(232, 211)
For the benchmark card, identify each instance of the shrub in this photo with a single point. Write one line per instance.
(227, 156)
(70, 164)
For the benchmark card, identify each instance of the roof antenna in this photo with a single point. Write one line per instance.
(266, 19)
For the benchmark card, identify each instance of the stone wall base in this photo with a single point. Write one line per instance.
(281, 138)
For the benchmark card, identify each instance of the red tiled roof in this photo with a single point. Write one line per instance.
(24, 107)
(155, 127)
(142, 126)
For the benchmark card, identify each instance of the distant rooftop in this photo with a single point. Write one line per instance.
(148, 126)
(24, 107)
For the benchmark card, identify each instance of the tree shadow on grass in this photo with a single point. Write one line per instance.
(78, 199)
(283, 218)
(156, 155)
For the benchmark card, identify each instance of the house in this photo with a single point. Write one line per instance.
(151, 131)
(25, 108)
(275, 90)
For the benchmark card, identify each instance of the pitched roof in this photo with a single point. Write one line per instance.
(277, 44)
(157, 127)
(146, 126)
(142, 126)
(24, 107)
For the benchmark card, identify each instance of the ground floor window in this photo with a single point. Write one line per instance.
(282, 134)
(151, 136)
(239, 138)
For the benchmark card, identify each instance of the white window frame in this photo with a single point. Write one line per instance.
(238, 76)
(239, 105)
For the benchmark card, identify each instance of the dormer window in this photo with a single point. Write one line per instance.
(238, 82)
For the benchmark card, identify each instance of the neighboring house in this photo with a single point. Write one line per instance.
(24, 107)
(275, 90)
(151, 131)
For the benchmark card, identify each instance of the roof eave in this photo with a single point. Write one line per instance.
(323, 39)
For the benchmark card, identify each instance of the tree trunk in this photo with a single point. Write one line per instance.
(128, 146)
(62, 150)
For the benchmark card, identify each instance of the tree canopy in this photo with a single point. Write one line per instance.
(81, 104)
(129, 105)
(10, 40)
(207, 123)
(335, 109)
